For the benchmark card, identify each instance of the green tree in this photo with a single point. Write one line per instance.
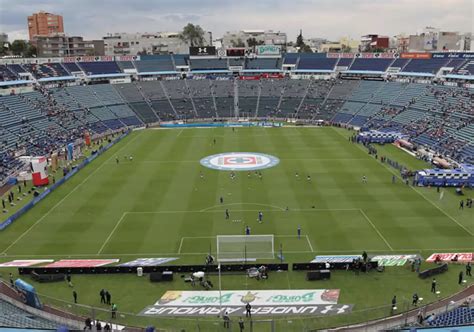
(19, 47)
(300, 40)
(193, 35)
(237, 43)
(301, 45)
(345, 49)
(31, 51)
(253, 42)
(5, 49)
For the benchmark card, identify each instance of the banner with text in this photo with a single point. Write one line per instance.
(394, 260)
(263, 302)
(335, 258)
(148, 261)
(25, 262)
(451, 257)
(82, 262)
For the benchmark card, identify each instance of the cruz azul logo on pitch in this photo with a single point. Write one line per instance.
(239, 161)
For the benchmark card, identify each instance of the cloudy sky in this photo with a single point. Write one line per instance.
(318, 18)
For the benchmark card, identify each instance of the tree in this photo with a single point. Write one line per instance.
(253, 42)
(299, 40)
(193, 35)
(5, 49)
(301, 45)
(19, 47)
(345, 48)
(31, 51)
(237, 43)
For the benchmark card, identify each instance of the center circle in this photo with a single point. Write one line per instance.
(239, 161)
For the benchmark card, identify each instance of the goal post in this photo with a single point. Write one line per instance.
(245, 247)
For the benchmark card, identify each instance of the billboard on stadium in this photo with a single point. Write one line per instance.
(268, 50)
(202, 50)
(415, 55)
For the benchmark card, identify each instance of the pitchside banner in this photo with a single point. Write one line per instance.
(148, 261)
(265, 302)
(447, 257)
(25, 262)
(82, 262)
(394, 260)
(335, 258)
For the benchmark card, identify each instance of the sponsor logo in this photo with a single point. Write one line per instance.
(265, 302)
(331, 309)
(148, 261)
(335, 259)
(447, 257)
(239, 161)
(394, 260)
(82, 262)
(25, 262)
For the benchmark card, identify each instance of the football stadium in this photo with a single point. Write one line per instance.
(237, 189)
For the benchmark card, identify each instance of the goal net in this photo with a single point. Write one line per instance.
(245, 247)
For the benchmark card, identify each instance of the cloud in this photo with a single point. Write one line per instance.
(318, 18)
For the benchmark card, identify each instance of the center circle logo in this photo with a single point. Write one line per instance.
(239, 161)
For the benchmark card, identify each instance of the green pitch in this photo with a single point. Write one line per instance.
(158, 205)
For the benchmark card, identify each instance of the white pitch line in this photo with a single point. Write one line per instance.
(401, 250)
(241, 203)
(180, 245)
(111, 233)
(418, 192)
(309, 242)
(65, 197)
(207, 210)
(180, 133)
(375, 228)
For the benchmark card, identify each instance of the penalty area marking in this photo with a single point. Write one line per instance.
(275, 236)
(376, 229)
(416, 190)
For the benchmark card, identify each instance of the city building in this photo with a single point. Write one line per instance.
(402, 42)
(373, 42)
(45, 24)
(432, 39)
(147, 43)
(344, 44)
(3, 38)
(265, 37)
(60, 46)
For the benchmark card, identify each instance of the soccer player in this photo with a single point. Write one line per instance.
(308, 178)
(433, 286)
(201, 175)
(130, 158)
(299, 231)
(297, 175)
(221, 199)
(249, 175)
(247, 230)
(260, 175)
(117, 160)
(260, 217)
(364, 179)
(227, 214)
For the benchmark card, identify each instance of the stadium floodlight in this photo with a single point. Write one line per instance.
(245, 247)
